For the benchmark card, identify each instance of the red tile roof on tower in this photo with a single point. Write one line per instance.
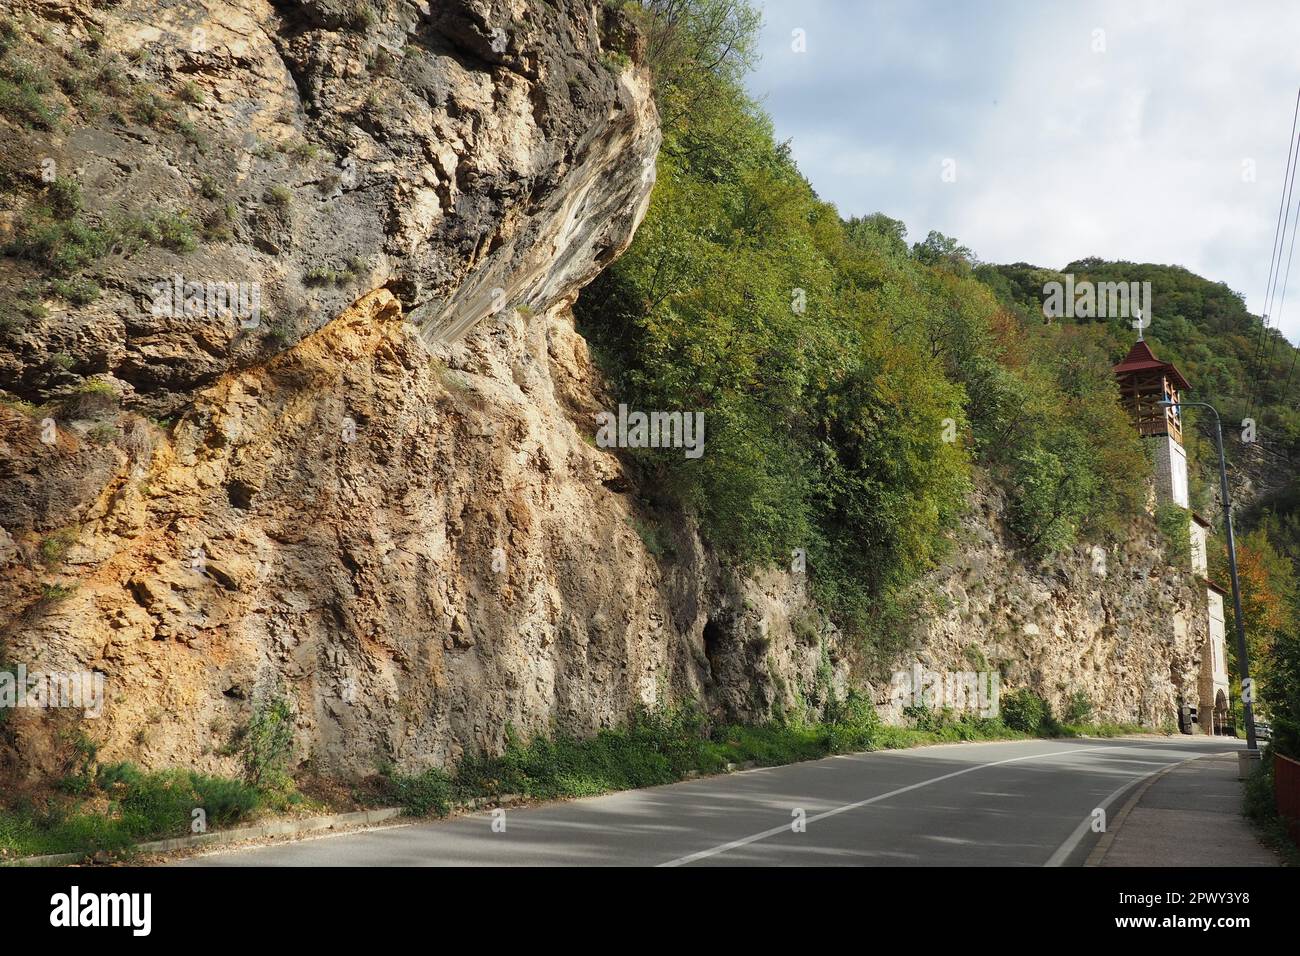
(1140, 358)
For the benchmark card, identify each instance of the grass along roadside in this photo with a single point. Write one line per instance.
(104, 810)
(125, 805)
(666, 746)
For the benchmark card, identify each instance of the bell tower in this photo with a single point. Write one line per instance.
(1145, 382)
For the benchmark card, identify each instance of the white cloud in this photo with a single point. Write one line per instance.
(1135, 153)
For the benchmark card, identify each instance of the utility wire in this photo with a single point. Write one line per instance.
(1277, 324)
(1287, 387)
(1275, 264)
(1288, 177)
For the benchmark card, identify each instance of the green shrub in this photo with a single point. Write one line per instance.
(655, 747)
(78, 291)
(265, 744)
(79, 772)
(54, 236)
(662, 745)
(51, 593)
(22, 95)
(112, 79)
(1025, 711)
(10, 33)
(91, 399)
(1259, 804)
(63, 197)
(156, 802)
(357, 15)
(218, 223)
(190, 132)
(422, 794)
(226, 801)
(946, 724)
(20, 309)
(615, 61)
(320, 276)
(929, 719)
(190, 93)
(170, 230)
(209, 188)
(61, 247)
(1175, 530)
(853, 724)
(54, 548)
(1079, 708)
(102, 433)
(150, 109)
(302, 151)
(162, 802)
(133, 805)
(655, 540)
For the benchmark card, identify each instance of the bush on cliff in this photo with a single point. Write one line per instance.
(1025, 711)
(848, 383)
(1175, 531)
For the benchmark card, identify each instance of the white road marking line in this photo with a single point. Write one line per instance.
(1065, 849)
(785, 827)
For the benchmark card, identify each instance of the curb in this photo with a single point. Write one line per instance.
(220, 837)
(1103, 845)
(478, 803)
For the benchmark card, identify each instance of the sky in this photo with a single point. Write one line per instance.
(1146, 130)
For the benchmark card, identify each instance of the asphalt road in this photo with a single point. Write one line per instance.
(1021, 803)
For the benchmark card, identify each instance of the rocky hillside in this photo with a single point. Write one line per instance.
(383, 497)
(366, 478)
(1118, 624)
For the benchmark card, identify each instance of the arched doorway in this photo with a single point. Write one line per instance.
(1220, 713)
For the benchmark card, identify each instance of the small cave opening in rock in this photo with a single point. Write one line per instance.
(713, 638)
(240, 495)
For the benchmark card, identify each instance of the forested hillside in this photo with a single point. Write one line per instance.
(1201, 326)
(1249, 373)
(852, 384)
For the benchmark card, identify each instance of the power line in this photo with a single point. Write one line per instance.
(1275, 265)
(1287, 387)
(1284, 200)
(1277, 324)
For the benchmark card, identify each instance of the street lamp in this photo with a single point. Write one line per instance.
(1247, 692)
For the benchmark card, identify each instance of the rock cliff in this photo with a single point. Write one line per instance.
(367, 478)
(1120, 625)
(381, 495)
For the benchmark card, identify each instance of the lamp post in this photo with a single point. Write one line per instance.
(1243, 661)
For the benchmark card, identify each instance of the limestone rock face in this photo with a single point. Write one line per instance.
(421, 553)
(1120, 625)
(466, 155)
(383, 498)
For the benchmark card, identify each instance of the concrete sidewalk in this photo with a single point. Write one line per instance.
(1188, 816)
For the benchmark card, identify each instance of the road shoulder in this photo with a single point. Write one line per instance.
(1189, 815)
